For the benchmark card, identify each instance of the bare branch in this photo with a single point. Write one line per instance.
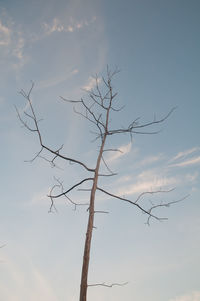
(52, 163)
(75, 203)
(70, 101)
(23, 122)
(70, 189)
(152, 192)
(100, 211)
(165, 205)
(126, 200)
(107, 175)
(64, 193)
(146, 211)
(113, 150)
(134, 126)
(37, 130)
(118, 110)
(108, 285)
(36, 156)
(97, 119)
(106, 165)
(68, 159)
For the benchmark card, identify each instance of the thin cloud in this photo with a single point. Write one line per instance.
(123, 150)
(193, 161)
(23, 281)
(5, 34)
(91, 83)
(185, 153)
(194, 296)
(12, 42)
(151, 180)
(156, 183)
(54, 81)
(151, 159)
(192, 177)
(40, 198)
(185, 158)
(58, 26)
(55, 26)
(18, 51)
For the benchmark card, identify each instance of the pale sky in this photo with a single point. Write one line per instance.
(59, 45)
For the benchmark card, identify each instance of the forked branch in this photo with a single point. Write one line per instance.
(35, 128)
(134, 127)
(149, 211)
(65, 193)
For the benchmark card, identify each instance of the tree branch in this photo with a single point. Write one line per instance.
(106, 165)
(113, 150)
(64, 193)
(134, 126)
(146, 211)
(70, 189)
(108, 285)
(37, 130)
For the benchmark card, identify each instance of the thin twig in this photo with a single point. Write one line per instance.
(108, 285)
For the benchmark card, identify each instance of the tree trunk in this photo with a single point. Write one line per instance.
(86, 256)
(90, 226)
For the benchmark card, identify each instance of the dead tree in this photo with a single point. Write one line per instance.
(100, 104)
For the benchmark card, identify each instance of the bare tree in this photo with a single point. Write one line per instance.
(97, 109)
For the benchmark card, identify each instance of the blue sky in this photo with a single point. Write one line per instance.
(59, 45)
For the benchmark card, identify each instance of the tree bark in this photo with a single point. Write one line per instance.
(90, 226)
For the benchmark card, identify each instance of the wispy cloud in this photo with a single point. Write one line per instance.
(122, 151)
(151, 159)
(44, 290)
(40, 198)
(12, 43)
(158, 176)
(5, 34)
(58, 25)
(192, 177)
(185, 158)
(91, 83)
(54, 81)
(194, 296)
(25, 280)
(151, 180)
(148, 181)
(193, 161)
(185, 153)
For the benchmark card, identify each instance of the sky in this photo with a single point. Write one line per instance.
(60, 46)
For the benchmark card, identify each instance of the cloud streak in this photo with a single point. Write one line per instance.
(151, 159)
(54, 81)
(5, 34)
(58, 26)
(193, 161)
(148, 181)
(185, 158)
(185, 153)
